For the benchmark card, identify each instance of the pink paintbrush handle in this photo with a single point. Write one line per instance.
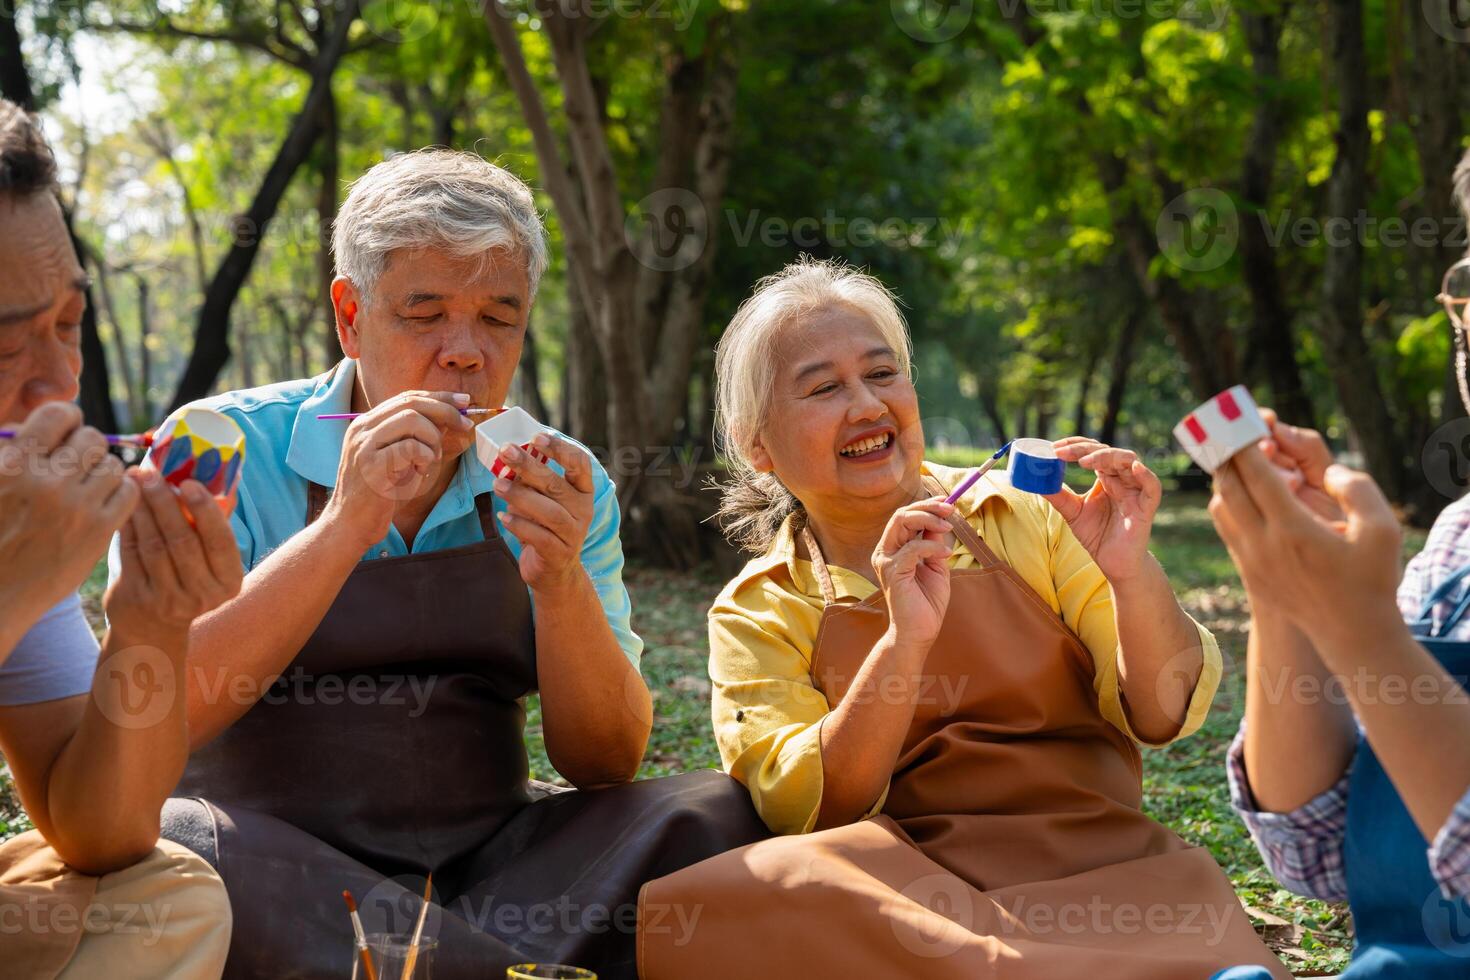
(352, 415)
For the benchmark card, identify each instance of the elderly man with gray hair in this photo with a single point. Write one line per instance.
(357, 713)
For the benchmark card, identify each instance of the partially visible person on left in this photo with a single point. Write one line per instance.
(95, 738)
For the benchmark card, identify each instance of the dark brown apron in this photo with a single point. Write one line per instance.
(393, 746)
(1011, 843)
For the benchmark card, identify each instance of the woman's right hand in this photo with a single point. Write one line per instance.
(912, 562)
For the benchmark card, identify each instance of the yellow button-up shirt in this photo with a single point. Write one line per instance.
(767, 709)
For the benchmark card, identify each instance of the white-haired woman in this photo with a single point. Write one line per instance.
(937, 705)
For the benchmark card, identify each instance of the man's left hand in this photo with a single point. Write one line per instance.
(547, 511)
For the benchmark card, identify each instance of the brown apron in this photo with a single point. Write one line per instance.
(1011, 843)
(42, 902)
(393, 746)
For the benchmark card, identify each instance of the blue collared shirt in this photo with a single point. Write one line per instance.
(287, 447)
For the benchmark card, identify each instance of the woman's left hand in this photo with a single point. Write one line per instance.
(1113, 519)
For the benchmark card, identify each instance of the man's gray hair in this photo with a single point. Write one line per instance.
(436, 198)
(26, 164)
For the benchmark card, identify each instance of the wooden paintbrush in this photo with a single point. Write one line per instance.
(411, 960)
(367, 954)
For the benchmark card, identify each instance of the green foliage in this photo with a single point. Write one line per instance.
(966, 174)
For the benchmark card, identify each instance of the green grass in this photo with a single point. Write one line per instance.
(1184, 784)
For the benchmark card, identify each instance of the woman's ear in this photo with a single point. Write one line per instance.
(760, 460)
(347, 304)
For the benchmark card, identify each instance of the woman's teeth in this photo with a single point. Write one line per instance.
(866, 446)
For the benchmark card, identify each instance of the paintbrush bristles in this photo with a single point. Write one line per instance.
(411, 960)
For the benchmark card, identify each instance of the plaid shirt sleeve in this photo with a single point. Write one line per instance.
(1445, 552)
(1449, 855)
(1303, 848)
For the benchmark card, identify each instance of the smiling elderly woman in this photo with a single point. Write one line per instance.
(938, 705)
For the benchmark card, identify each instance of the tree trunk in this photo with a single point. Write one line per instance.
(1128, 335)
(1437, 72)
(145, 354)
(326, 215)
(245, 356)
(1344, 347)
(682, 315)
(1270, 349)
(1209, 374)
(101, 278)
(528, 377)
(587, 407)
(212, 336)
(609, 277)
(156, 134)
(1084, 389)
(990, 404)
(95, 397)
(15, 81)
(704, 426)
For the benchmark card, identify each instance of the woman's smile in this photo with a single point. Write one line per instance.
(869, 447)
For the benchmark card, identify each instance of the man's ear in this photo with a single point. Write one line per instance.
(347, 303)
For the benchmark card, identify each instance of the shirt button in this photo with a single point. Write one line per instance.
(383, 553)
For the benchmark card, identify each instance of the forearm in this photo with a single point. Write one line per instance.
(17, 616)
(244, 645)
(1415, 714)
(1159, 655)
(10, 635)
(107, 785)
(864, 734)
(596, 711)
(1299, 735)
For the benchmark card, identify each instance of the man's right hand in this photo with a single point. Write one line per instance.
(62, 497)
(391, 454)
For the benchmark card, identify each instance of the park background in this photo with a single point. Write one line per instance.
(1097, 213)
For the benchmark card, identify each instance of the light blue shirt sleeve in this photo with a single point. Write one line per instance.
(602, 556)
(55, 659)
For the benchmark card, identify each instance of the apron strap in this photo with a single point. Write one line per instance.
(1423, 624)
(316, 501)
(978, 549)
(318, 495)
(819, 565)
(485, 507)
(984, 557)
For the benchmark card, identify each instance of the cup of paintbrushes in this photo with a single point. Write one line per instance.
(391, 956)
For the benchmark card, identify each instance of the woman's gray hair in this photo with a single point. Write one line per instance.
(443, 198)
(754, 505)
